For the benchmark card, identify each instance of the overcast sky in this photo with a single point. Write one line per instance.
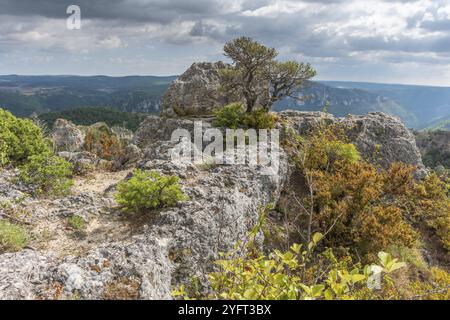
(390, 41)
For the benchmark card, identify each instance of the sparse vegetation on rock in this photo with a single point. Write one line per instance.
(12, 237)
(47, 174)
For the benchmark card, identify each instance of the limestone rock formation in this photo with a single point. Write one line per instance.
(380, 138)
(67, 136)
(195, 92)
(150, 255)
(167, 249)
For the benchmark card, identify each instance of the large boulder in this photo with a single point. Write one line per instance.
(195, 92)
(67, 136)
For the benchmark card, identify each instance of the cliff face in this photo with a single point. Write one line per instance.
(435, 148)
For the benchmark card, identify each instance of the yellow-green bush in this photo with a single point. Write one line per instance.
(148, 190)
(296, 274)
(19, 139)
(233, 116)
(77, 223)
(258, 119)
(47, 174)
(12, 237)
(229, 116)
(360, 207)
(437, 287)
(432, 205)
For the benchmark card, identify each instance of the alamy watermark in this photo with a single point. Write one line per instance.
(254, 148)
(73, 22)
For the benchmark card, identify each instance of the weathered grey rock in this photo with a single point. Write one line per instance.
(195, 92)
(383, 139)
(83, 161)
(11, 189)
(23, 274)
(131, 155)
(175, 244)
(67, 136)
(380, 138)
(156, 129)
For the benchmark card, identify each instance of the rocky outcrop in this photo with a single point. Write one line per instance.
(170, 247)
(380, 138)
(155, 129)
(67, 136)
(195, 92)
(83, 162)
(173, 245)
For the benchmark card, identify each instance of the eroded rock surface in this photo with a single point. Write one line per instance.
(146, 256)
(195, 92)
(163, 249)
(67, 136)
(380, 138)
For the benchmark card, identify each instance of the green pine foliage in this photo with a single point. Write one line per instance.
(148, 190)
(48, 174)
(19, 139)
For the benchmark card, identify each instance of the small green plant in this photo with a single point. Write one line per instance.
(229, 116)
(12, 237)
(48, 174)
(77, 223)
(148, 190)
(207, 165)
(233, 116)
(259, 119)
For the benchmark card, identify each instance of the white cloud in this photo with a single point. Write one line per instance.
(384, 35)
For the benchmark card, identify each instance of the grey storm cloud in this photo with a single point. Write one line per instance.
(160, 11)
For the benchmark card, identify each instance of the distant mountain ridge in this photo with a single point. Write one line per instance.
(344, 101)
(419, 107)
(429, 104)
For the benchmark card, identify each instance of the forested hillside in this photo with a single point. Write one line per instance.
(25, 95)
(88, 116)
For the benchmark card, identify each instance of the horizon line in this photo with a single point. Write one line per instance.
(171, 76)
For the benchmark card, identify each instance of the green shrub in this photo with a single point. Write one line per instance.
(77, 223)
(258, 119)
(229, 116)
(12, 237)
(295, 274)
(233, 116)
(148, 190)
(19, 139)
(48, 174)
